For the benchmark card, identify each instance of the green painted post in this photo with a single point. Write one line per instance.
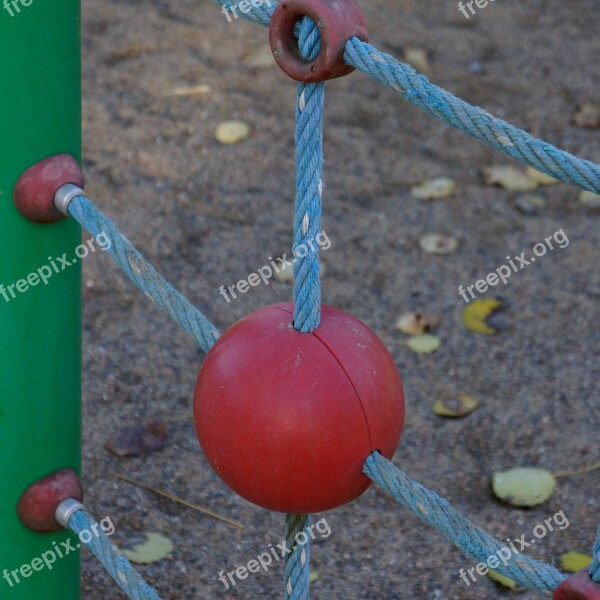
(40, 328)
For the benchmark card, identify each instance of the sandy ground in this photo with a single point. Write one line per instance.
(208, 214)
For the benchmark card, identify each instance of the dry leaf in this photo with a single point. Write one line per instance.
(589, 199)
(510, 178)
(232, 132)
(476, 314)
(417, 323)
(434, 189)
(539, 177)
(587, 115)
(146, 548)
(434, 243)
(524, 486)
(417, 58)
(455, 407)
(138, 440)
(424, 344)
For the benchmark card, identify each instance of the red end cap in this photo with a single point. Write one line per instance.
(578, 587)
(338, 21)
(34, 192)
(38, 503)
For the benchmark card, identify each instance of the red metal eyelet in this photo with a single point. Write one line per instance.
(337, 20)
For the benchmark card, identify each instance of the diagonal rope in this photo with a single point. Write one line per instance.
(474, 542)
(309, 188)
(472, 120)
(297, 564)
(143, 275)
(115, 563)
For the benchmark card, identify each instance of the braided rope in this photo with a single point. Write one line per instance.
(309, 188)
(474, 542)
(297, 564)
(472, 120)
(117, 565)
(143, 275)
(595, 566)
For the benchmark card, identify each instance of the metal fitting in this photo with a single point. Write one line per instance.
(64, 195)
(66, 509)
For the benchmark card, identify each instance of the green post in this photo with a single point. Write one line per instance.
(40, 328)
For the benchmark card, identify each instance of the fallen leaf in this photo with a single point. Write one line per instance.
(417, 58)
(455, 407)
(524, 486)
(417, 323)
(192, 90)
(476, 314)
(507, 582)
(434, 243)
(512, 179)
(434, 189)
(146, 548)
(314, 576)
(539, 177)
(138, 440)
(587, 115)
(574, 561)
(589, 199)
(424, 344)
(232, 132)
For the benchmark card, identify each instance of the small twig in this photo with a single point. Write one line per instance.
(577, 471)
(201, 509)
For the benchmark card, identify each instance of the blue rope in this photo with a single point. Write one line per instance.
(117, 565)
(474, 121)
(143, 275)
(474, 542)
(309, 188)
(297, 564)
(595, 566)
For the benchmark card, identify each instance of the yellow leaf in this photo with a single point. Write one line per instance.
(539, 177)
(475, 314)
(574, 561)
(507, 582)
(417, 58)
(232, 132)
(512, 179)
(424, 344)
(589, 199)
(455, 407)
(524, 486)
(434, 189)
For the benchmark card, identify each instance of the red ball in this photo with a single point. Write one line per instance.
(287, 419)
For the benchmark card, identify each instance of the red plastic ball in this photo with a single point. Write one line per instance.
(287, 419)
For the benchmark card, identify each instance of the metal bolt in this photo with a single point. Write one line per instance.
(321, 24)
(277, 53)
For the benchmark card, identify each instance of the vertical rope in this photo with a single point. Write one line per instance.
(297, 564)
(595, 566)
(309, 188)
(116, 564)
